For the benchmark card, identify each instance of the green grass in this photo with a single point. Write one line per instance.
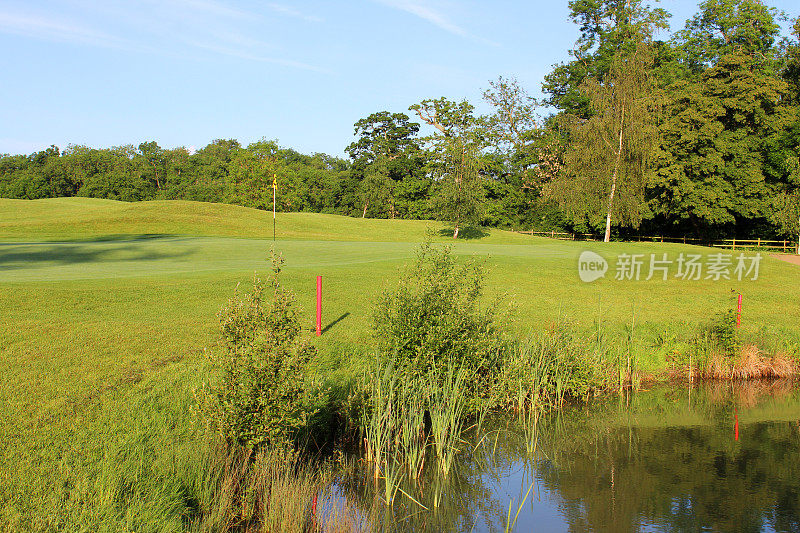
(107, 307)
(92, 219)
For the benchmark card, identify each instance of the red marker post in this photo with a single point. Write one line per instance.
(739, 312)
(319, 306)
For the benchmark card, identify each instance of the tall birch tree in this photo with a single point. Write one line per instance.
(610, 152)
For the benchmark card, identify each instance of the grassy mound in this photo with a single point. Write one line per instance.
(61, 219)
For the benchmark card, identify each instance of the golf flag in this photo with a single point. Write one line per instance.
(274, 182)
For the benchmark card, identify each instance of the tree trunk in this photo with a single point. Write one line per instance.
(607, 237)
(158, 181)
(455, 233)
(364, 214)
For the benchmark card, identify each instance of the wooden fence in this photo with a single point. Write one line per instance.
(785, 246)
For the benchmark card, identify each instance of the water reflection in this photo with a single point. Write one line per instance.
(666, 459)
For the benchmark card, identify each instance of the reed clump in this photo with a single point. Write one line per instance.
(266, 490)
(749, 363)
(549, 368)
(412, 419)
(718, 351)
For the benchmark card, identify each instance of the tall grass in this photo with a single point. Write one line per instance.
(446, 404)
(411, 421)
(269, 491)
(413, 438)
(379, 419)
(263, 491)
(549, 368)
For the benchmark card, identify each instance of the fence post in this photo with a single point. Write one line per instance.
(784, 245)
(759, 242)
(734, 244)
(739, 312)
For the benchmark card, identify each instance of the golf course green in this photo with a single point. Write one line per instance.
(107, 308)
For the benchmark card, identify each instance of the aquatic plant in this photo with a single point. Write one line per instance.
(548, 368)
(446, 405)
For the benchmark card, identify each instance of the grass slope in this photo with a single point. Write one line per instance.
(67, 219)
(101, 339)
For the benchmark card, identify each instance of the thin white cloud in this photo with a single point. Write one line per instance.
(233, 52)
(165, 30)
(44, 28)
(422, 10)
(426, 13)
(292, 12)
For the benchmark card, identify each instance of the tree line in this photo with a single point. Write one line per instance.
(694, 134)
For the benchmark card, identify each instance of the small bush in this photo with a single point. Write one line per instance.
(261, 359)
(433, 319)
(723, 333)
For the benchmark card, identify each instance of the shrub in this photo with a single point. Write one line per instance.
(433, 319)
(260, 362)
(723, 333)
(717, 338)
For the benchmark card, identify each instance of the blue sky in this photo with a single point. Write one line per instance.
(185, 72)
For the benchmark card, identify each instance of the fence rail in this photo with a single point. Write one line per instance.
(562, 236)
(785, 246)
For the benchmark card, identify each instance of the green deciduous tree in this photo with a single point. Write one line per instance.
(154, 162)
(460, 195)
(456, 160)
(383, 134)
(608, 28)
(376, 189)
(514, 137)
(610, 153)
(388, 163)
(250, 175)
(723, 27)
(722, 128)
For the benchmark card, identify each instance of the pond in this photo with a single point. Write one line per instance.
(714, 457)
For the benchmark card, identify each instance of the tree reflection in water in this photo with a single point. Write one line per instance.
(665, 459)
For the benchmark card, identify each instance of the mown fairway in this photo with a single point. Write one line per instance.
(108, 306)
